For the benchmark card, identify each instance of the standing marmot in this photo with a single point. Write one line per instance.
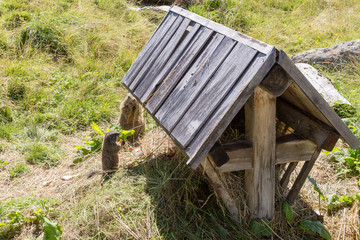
(109, 155)
(131, 117)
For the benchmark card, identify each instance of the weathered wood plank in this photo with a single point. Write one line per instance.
(149, 48)
(292, 148)
(285, 62)
(162, 59)
(260, 129)
(306, 125)
(171, 62)
(289, 148)
(155, 54)
(220, 187)
(213, 93)
(195, 80)
(242, 38)
(276, 82)
(301, 178)
(218, 155)
(220, 119)
(179, 70)
(286, 177)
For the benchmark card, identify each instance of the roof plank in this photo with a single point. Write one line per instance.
(161, 46)
(221, 118)
(178, 70)
(242, 38)
(179, 51)
(189, 88)
(149, 48)
(315, 97)
(162, 59)
(214, 92)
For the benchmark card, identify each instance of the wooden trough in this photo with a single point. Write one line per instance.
(195, 76)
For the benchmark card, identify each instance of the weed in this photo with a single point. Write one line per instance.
(6, 114)
(16, 90)
(19, 170)
(16, 19)
(41, 154)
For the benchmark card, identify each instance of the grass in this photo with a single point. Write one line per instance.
(61, 65)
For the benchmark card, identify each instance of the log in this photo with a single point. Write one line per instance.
(260, 129)
(277, 81)
(220, 187)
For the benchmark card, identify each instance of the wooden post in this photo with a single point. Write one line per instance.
(260, 124)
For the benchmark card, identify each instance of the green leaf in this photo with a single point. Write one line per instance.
(124, 134)
(260, 228)
(288, 211)
(332, 198)
(97, 128)
(315, 227)
(335, 149)
(350, 161)
(52, 230)
(347, 199)
(316, 188)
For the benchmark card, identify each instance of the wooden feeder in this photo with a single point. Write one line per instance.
(195, 76)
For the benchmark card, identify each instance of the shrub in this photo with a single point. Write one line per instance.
(16, 90)
(18, 170)
(5, 114)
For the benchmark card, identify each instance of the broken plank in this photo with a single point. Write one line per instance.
(286, 177)
(149, 48)
(212, 95)
(306, 125)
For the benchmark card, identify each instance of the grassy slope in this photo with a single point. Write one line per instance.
(61, 66)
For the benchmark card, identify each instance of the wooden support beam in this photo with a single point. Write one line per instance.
(307, 125)
(289, 148)
(220, 187)
(219, 155)
(260, 125)
(276, 81)
(300, 180)
(286, 177)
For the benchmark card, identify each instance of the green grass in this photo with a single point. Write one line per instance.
(61, 63)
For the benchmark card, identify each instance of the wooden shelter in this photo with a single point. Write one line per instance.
(195, 76)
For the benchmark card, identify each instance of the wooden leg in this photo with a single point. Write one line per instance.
(300, 180)
(220, 187)
(286, 177)
(260, 125)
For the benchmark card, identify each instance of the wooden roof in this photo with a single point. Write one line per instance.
(194, 75)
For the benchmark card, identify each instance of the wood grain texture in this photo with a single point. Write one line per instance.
(306, 125)
(213, 93)
(220, 187)
(260, 129)
(172, 61)
(242, 38)
(162, 59)
(160, 47)
(235, 100)
(301, 178)
(180, 68)
(195, 80)
(276, 82)
(317, 100)
(286, 177)
(149, 48)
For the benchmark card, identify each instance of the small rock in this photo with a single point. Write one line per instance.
(68, 177)
(46, 183)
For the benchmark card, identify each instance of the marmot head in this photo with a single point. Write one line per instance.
(111, 137)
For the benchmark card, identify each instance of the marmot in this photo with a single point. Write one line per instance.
(131, 117)
(109, 155)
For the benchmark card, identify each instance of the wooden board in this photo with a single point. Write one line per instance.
(223, 115)
(149, 48)
(242, 38)
(260, 129)
(195, 47)
(190, 35)
(155, 54)
(306, 125)
(214, 92)
(195, 80)
(317, 103)
(162, 59)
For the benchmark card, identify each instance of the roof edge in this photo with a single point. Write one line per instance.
(319, 102)
(240, 37)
